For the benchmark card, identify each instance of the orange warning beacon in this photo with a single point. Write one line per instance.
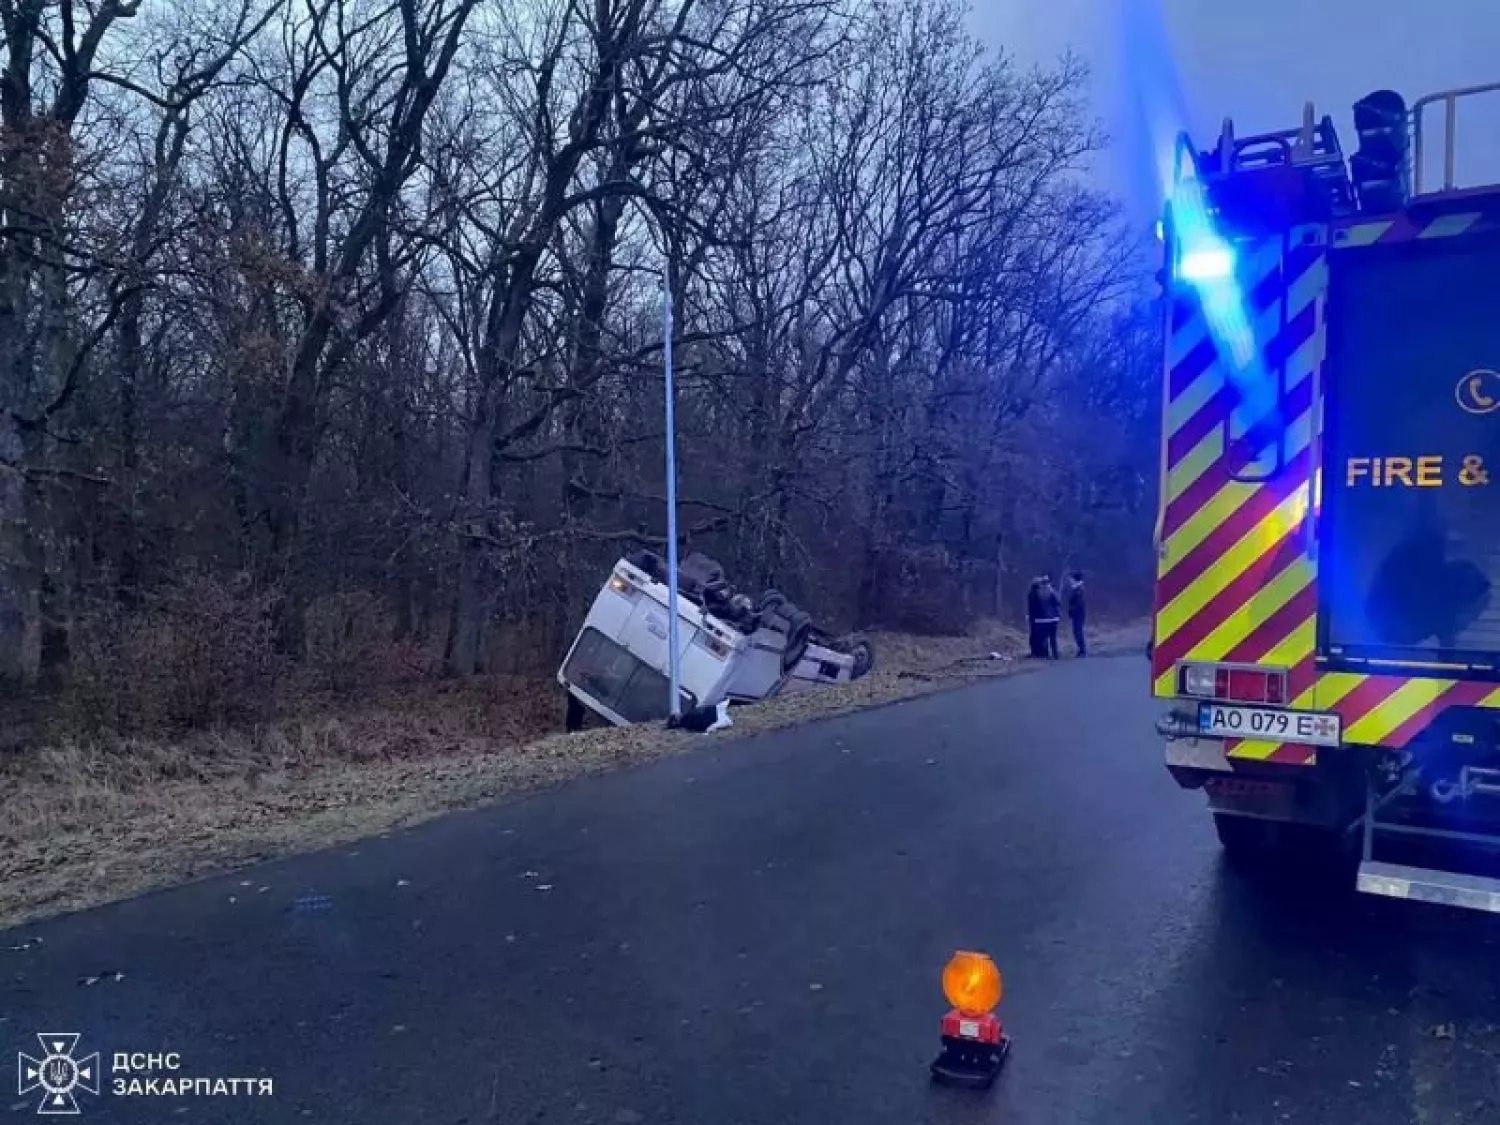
(975, 1045)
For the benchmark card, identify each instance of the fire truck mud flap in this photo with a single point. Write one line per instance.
(1198, 754)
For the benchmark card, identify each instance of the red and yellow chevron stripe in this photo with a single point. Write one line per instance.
(1237, 571)
(1405, 228)
(1234, 580)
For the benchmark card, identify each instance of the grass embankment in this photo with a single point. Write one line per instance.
(87, 822)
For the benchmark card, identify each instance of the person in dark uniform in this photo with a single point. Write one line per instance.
(1054, 618)
(1077, 611)
(1050, 613)
(1034, 619)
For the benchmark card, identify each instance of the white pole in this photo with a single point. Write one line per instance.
(673, 654)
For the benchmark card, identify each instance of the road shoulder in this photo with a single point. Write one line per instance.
(78, 846)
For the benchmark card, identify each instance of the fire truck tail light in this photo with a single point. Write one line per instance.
(1199, 680)
(1250, 686)
(1239, 685)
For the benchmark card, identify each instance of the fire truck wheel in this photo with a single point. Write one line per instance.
(576, 713)
(1308, 851)
(1247, 842)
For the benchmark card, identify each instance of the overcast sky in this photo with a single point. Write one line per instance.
(1259, 61)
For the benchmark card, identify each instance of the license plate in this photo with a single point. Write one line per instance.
(1312, 728)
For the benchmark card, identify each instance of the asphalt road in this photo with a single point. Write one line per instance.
(754, 933)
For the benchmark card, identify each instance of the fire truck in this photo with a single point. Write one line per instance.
(1326, 637)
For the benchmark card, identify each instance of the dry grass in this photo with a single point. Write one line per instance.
(85, 823)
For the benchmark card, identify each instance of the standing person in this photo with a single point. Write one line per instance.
(1051, 614)
(1077, 611)
(1034, 619)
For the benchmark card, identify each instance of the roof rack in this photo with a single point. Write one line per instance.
(1312, 149)
(1449, 100)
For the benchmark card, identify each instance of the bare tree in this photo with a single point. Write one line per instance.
(50, 57)
(353, 314)
(647, 73)
(346, 102)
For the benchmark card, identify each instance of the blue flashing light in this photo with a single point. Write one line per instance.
(1210, 261)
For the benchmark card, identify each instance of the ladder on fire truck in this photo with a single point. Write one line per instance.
(1311, 152)
(1272, 182)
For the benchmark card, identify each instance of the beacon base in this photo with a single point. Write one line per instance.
(969, 1062)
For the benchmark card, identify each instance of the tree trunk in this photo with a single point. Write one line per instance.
(128, 364)
(20, 563)
(466, 630)
(582, 425)
(502, 340)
